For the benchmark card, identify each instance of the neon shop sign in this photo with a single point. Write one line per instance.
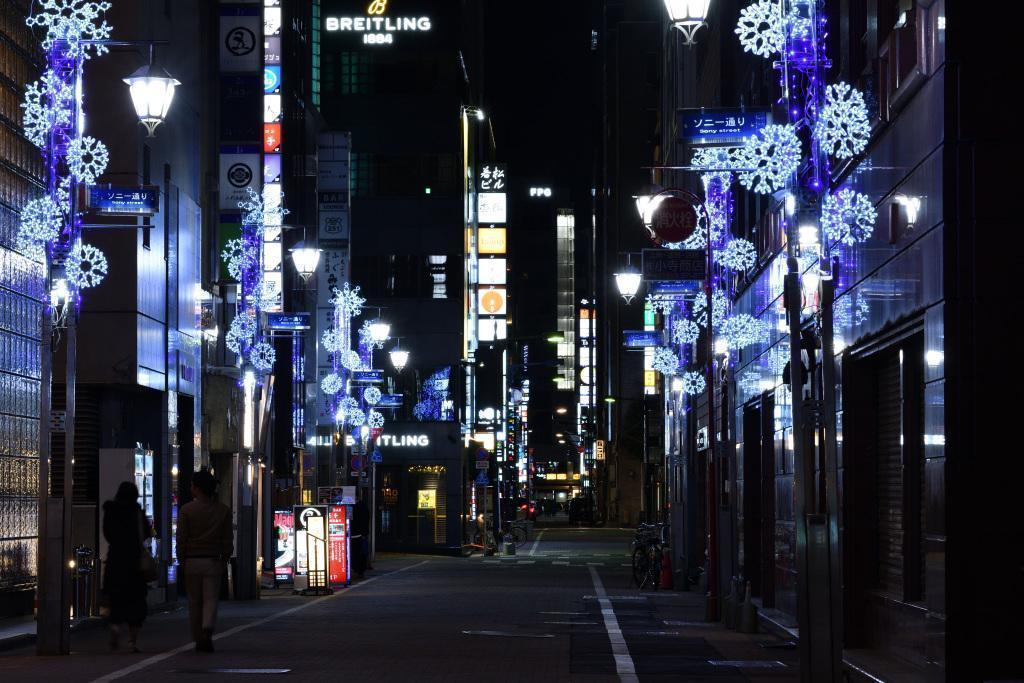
(376, 28)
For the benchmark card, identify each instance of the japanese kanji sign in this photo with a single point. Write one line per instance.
(674, 264)
(492, 178)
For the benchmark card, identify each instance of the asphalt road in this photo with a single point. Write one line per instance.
(563, 609)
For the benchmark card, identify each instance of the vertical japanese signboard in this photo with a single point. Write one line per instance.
(338, 545)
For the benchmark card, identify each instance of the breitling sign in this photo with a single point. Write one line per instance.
(376, 27)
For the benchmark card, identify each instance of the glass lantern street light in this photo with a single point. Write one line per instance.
(628, 281)
(379, 331)
(643, 200)
(152, 91)
(688, 16)
(399, 358)
(305, 259)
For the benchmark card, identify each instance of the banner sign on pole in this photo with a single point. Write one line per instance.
(674, 264)
(114, 200)
(368, 376)
(721, 126)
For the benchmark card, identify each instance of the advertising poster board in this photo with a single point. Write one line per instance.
(302, 513)
(338, 542)
(284, 545)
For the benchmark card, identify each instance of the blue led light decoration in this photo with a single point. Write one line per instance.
(87, 159)
(345, 406)
(694, 383)
(347, 301)
(240, 257)
(685, 331)
(770, 158)
(842, 128)
(47, 105)
(355, 417)
(374, 419)
(262, 356)
(662, 303)
(719, 306)
(739, 254)
(350, 360)
(69, 23)
(665, 361)
(434, 396)
(371, 395)
(332, 341)
(760, 28)
(332, 383)
(86, 266)
(241, 332)
(41, 220)
(742, 330)
(848, 216)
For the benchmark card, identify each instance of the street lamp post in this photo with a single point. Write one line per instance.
(55, 560)
(688, 16)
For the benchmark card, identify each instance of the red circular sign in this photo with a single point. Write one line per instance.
(673, 220)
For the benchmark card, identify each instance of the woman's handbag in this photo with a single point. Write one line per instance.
(147, 565)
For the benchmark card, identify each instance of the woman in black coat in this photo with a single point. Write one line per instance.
(124, 587)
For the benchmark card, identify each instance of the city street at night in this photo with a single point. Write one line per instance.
(545, 340)
(564, 609)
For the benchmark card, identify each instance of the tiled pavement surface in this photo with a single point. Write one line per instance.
(530, 618)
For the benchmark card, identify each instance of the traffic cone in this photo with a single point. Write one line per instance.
(665, 581)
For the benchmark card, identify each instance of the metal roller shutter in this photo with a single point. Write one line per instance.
(889, 474)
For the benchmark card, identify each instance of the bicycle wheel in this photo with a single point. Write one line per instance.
(641, 564)
(654, 566)
(518, 535)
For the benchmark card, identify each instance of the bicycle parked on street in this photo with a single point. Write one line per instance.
(516, 532)
(648, 547)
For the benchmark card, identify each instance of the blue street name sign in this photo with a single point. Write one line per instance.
(720, 126)
(391, 401)
(674, 264)
(288, 321)
(114, 200)
(673, 287)
(641, 339)
(369, 376)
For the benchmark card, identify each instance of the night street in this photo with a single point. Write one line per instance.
(543, 340)
(542, 615)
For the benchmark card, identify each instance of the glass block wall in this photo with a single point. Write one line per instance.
(21, 304)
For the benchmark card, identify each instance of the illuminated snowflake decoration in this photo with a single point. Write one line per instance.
(40, 221)
(843, 129)
(372, 396)
(742, 330)
(374, 419)
(30, 249)
(694, 383)
(241, 332)
(47, 105)
(87, 159)
(86, 266)
(332, 341)
(262, 356)
(848, 217)
(770, 157)
(366, 337)
(351, 360)
(660, 303)
(240, 257)
(265, 295)
(355, 417)
(760, 28)
(346, 406)
(719, 308)
(256, 211)
(331, 383)
(739, 254)
(72, 21)
(685, 331)
(719, 162)
(665, 361)
(347, 301)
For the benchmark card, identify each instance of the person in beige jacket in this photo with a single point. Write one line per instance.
(204, 548)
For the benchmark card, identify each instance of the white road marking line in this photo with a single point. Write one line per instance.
(536, 541)
(149, 661)
(564, 564)
(572, 623)
(526, 562)
(575, 614)
(620, 651)
(507, 634)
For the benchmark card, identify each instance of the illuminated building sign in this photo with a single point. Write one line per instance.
(377, 28)
(427, 499)
(492, 241)
(404, 440)
(136, 200)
